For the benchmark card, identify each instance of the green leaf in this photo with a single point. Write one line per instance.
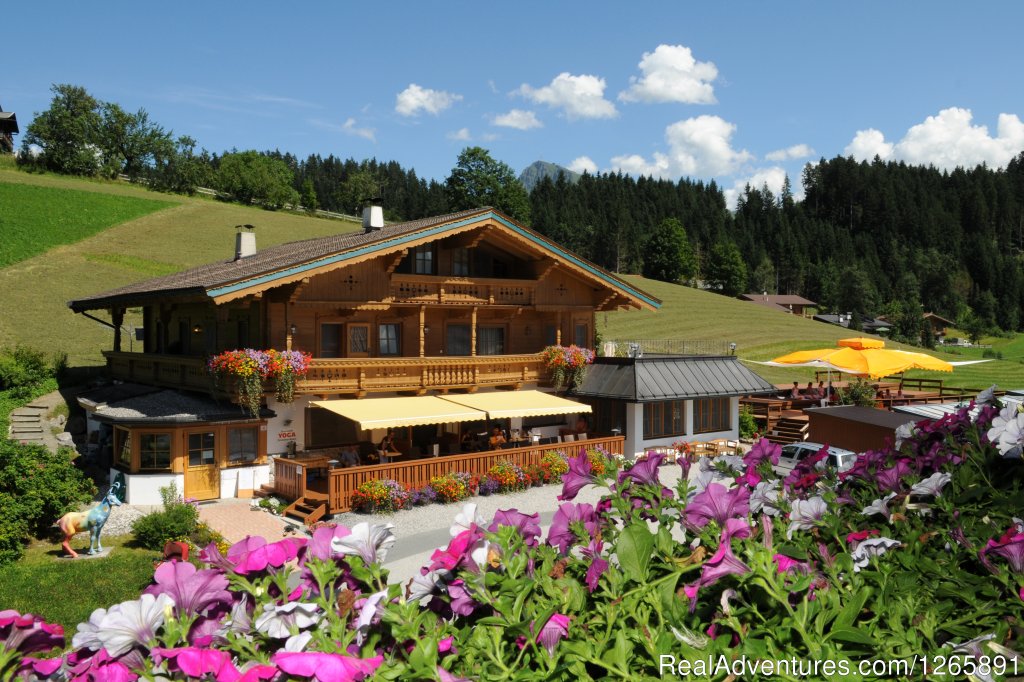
(634, 551)
(853, 635)
(853, 607)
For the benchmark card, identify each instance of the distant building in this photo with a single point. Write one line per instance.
(788, 303)
(939, 325)
(8, 129)
(868, 324)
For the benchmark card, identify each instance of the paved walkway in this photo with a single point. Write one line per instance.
(235, 519)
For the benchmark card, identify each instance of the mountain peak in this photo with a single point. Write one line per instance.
(538, 170)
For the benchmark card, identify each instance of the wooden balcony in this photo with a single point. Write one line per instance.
(354, 376)
(427, 289)
(294, 479)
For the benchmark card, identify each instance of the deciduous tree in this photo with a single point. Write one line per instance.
(479, 180)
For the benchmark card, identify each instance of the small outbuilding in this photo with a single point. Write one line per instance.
(853, 427)
(658, 400)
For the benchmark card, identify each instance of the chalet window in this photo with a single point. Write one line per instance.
(123, 448)
(358, 340)
(550, 335)
(711, 414)
(155, 451)
(423, 260)
(330, 340)
(607, 415)
(242, 444)
(490, 341)
(664, 419)
(201, 449)
(581, 335)
(457, 341)
(242, 340)
(460, 262)
(388, 340)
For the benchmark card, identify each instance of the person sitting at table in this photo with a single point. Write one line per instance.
(497, 438)
(581, 424)
(349, 457)
(794, 394)
(810, 392)
(387, 446)
(822, 393)
(901, 397)
(468, 441)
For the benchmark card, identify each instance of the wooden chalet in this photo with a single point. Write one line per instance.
(8, 129)
(398, 319)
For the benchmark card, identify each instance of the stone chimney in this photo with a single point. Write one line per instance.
(245, 241)
(373, 215)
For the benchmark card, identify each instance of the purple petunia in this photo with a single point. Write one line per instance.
(528, 525)
(561, 533)
(716, 503)
(643, 472)
(763, 451)
(556, 629)
(192, 591)
(580, 475)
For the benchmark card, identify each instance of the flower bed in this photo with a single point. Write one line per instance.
(914, 554)
(509, 477)
(454, 487)
(380, 496)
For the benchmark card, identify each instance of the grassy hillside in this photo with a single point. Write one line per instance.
(762, 334)
(34, 219)
(188, 232)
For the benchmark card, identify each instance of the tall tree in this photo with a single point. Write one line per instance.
(667, 254)
(66, 133)
(131, 143)
(251, 177)
(479, 180)
(726, 270)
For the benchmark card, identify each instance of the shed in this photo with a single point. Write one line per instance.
(853, 427)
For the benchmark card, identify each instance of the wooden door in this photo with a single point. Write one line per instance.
(202, 476)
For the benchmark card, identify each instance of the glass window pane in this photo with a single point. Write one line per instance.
(242, 444)
(458, 339)
(387, 341)
(155, 450)
(330, 340)
(581, 337)
(490, 341)
(460, 262)
(200, 449)
(358, 339)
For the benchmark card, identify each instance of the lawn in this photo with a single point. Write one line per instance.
(35, 219)
(187, 232)
(66, 591)
(762, 334)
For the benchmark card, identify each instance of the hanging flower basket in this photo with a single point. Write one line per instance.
(250, 368)
(567, 365)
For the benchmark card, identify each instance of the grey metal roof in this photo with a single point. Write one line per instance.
(671, 377)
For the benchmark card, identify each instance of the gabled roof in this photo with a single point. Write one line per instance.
(939, 318)
(654, 378)
(8, 122)
(778, 299)
(289, 262)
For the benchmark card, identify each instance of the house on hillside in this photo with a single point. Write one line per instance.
(939, 325)
(787, 303)
(658, 400)
(8, 129)
(433, 328)
(869, 325)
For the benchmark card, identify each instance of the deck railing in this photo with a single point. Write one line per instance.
(290, 476)
(346, 375)
(461, 290)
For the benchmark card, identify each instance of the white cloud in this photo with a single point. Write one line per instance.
(671, 74)
(773, 177)
(414, 99)
(349, 127)
(867, 144)
(462, 134)
(797, 151)
(583, 164)
(698, 146)
(946, 140)
(578, 96)
(519, 119)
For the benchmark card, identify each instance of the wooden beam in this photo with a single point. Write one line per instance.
(398, 257)
(117, 318)
(299, 286)
(472, 332)
(423, 336)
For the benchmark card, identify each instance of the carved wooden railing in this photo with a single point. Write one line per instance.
(412, 374)
(461, 290)
(289, 475)
(346, 375)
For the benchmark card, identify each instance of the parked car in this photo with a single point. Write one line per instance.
(838, 459)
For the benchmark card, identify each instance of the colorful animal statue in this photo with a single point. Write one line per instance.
(92, 521)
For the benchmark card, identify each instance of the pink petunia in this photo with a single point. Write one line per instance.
(326, 667)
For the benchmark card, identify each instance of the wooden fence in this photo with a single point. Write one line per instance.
(290, 475)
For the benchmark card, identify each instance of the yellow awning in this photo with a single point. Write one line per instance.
(503, 404)
(386, 413)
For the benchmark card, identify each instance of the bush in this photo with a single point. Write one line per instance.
(748, 425)
(509, 477)
(272, 505)
(553, 465)
(23, 369)
(454, 487)
(179, 520)
(380, 495)
(859, 392)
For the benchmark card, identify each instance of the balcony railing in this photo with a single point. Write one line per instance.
(346, 375)
(457, 290)
(290, 476)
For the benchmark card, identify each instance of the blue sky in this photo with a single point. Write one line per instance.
(737, 91)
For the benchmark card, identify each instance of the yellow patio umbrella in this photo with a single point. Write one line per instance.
(873, 362)
(861, 343)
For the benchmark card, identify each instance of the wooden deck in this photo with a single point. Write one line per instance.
(296, 478)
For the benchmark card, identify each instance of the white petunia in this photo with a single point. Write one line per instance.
(870, 548)
(806, 514)
(277, 620)
(1007, 432)
(465, 519)
(369, 542)
(879, 506)
(932, 485)
(905, 432)
(765, 498)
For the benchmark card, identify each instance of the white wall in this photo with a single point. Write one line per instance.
(636, 444)
(145, 488)
(236, 479)
(289, 424)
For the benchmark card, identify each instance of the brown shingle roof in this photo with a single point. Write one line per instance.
(196, 281)
(778, 299)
